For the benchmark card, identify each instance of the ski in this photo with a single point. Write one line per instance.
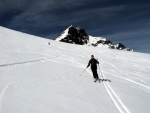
(97, 80)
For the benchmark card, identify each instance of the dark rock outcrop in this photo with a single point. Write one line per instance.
(76, 35)
(120, 46)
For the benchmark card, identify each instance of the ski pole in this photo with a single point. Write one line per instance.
(83, 71)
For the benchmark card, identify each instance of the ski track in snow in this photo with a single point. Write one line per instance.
(31, 61)
(3, 93)
(132, 81)
(127, 79)
(118, 103)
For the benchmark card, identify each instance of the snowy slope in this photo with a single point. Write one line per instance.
(39, 78)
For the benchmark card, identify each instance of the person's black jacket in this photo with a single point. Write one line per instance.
(93, 62)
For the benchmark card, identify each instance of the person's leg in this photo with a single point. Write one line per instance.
(93, 71)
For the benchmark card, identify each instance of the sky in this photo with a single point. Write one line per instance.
(125, 21)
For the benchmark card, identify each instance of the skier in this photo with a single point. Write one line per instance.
(93, 62)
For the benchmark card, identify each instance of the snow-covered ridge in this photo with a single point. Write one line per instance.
(77, 35)
(36, 77)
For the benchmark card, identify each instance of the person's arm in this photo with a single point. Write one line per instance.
(89, 63)
(97, 61)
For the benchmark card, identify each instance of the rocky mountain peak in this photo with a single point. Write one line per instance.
(77, 35)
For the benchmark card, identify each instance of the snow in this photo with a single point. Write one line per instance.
(63, 34)
(36, 77)
(94, 40)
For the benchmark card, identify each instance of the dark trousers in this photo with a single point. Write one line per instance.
(94, 71)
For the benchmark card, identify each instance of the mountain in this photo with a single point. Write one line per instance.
(38, 75)
(77, 35)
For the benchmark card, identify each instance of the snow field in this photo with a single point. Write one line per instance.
(39, 78)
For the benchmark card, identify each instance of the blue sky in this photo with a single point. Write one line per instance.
(125, 21)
